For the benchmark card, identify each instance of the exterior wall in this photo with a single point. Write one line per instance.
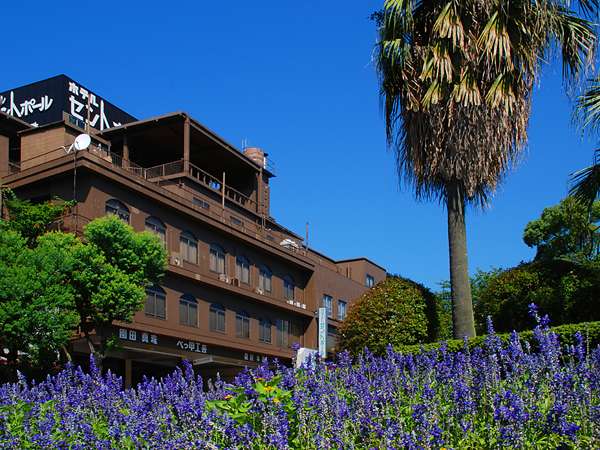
(359, 269)
(44, 145)
(4, 145)
(171, 201)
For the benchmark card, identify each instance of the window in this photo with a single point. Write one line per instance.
(118, 208)
(201, 203)
(188, 247)
(342, 304)
(217, 259)
(370, 281)
(156, 302)
(217, 317)
(188, 310)
(328, 304)
(242, 269)
(264, 279)
(235, 221)
(264, 331)
(242, 325)
(283, 333)
(288, 288)
(156, 226)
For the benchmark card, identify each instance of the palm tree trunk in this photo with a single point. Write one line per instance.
(462, 305)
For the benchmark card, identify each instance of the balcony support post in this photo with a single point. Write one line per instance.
(186, 145)
(223, 192)
(125, 152)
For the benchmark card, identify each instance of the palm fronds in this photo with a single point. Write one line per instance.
(456, 79)
(585, 183)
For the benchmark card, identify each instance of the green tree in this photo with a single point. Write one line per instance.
(567, 230)
(396, 311)
(37, 314)
(456, 80)
(113, 266)
(33, 219)
(56, 284)
(565, 290)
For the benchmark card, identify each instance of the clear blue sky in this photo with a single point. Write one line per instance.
(295, 78)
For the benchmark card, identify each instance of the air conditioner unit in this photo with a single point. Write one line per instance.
(259, 291)
(298, 304)
(223, 277)
(303, 305)
(235, 281)
(176, 261)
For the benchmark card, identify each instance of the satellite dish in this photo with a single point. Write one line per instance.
(82, 142)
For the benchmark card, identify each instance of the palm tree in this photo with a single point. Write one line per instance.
(585, 185)
(456, 80)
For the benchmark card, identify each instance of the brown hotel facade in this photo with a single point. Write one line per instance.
(239, 286)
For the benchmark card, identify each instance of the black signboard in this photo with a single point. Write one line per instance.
(45, 101)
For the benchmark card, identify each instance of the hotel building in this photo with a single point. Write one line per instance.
(239, 286)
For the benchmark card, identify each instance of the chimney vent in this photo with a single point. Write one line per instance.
(257, 155)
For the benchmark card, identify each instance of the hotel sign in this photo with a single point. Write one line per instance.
(45, 102)
(323, 332)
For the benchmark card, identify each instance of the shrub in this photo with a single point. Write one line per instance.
(566, 290)
(590, 331)
(396, 311)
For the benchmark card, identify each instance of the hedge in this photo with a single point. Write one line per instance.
(566, 334)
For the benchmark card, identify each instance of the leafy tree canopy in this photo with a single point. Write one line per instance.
(31, 220)
(55, 283)
(567, 230)
(566, 290)
(396, 311)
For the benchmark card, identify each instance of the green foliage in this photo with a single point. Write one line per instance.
(479, 282)
(37, 314)
(239, 406)
(55, 283)
(396, 311)
(566, 290)
(31, 220)
(567, 230)
(589, 330)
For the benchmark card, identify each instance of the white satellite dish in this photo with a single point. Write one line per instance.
(82, 142)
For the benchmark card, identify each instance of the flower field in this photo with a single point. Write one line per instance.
(497, 396)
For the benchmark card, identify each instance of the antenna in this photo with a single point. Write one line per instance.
(82, 142)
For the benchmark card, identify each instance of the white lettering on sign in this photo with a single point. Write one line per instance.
(25, 108)
(131, 335)
(192, 346)
(82, 102)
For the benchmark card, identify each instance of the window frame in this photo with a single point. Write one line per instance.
(369, 280)
(242, 264)
(157, 293)
(242, 325)
(283, 327)
(189, 302)
(154, 225)
(217, 316)
(118, 208)
(264, 274)
(341, 317)
(327, 303)
(264, 326)
(289, 287)
(188, 240)
(217, 253)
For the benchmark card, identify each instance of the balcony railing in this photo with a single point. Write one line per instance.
(202, 177)
(153, 174)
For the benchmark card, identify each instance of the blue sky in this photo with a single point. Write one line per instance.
(295, 78)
